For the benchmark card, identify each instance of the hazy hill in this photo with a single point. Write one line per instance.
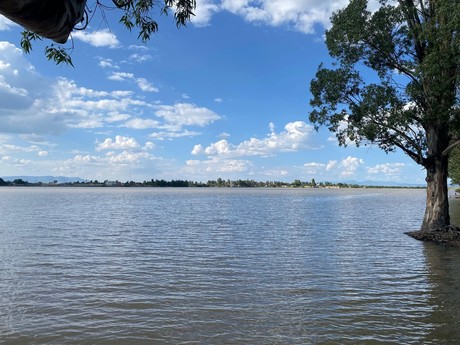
(44, 179)
(384, 184)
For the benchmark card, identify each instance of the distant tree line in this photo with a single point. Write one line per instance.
(16, 182)
(219, 183)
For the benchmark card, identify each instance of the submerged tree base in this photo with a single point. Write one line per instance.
(448, 235)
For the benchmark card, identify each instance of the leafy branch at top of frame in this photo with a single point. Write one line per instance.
(58, 54)
(136, 14)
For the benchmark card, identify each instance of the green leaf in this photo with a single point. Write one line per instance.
(58, 55)
(26, 40)
(137, 14)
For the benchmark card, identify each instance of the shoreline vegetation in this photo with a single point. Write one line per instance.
(210, 183)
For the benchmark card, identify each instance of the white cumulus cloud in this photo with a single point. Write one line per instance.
(141, 83)
(204, 12)
(138, 123)
(186, 114)
(386, 169)
(107, 63)
(350, 165)
(173, 134)
(6, 24)
(301, 15)
(140, 57)
(346, 168)
(294, 137)
(120, 143)
(126, 157)
(120, 76)
(145, 85)
(100, 38)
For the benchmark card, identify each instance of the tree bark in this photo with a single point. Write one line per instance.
(437, 198)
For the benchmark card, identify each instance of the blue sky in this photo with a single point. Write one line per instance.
(227, 97)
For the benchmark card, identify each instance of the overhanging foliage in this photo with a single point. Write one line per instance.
(55, 19)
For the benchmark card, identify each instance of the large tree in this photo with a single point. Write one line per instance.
(55, 19)
(395, 84)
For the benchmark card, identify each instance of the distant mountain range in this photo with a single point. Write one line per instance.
(385, 183)
(44, 179)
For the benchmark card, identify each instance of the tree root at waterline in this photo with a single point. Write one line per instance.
(448, 235)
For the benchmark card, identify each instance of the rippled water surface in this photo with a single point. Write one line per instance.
(222, 266)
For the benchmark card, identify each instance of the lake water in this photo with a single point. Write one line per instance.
(222, 266)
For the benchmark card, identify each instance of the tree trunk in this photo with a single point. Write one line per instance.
(437, 199)
(437, 202)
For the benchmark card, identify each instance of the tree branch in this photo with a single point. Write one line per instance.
(449, 148)
(414, 22)
(416, 155)
(392, 62)
(417, 158)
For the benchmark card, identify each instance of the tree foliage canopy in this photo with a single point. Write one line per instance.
(395, 83)
(413, 49)
(138, 14)
(135, 15)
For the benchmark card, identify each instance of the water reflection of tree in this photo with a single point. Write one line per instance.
(444, 275)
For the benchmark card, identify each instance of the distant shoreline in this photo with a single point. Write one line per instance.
(202, 185)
